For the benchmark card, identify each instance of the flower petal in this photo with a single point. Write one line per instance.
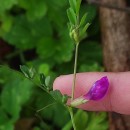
(98, 90)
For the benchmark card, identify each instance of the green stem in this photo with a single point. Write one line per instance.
(46, 107)
(72, 117)
(75, 68)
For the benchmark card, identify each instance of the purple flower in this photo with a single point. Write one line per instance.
(98, 90)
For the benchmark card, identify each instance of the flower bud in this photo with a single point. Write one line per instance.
(74, 35)
(96, 92)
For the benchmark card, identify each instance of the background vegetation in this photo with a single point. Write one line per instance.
(35, 33)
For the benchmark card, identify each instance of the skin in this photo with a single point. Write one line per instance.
(117, 98)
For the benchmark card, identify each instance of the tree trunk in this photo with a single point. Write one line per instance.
(115, 28)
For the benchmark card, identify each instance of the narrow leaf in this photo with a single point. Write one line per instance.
(73, 4)
(32, 72)
(28, 72)
(72, 16)
(42, 79)
(83, 31)
(47, 81)
(25, 70)
(78, 4)
(56, 95)
(83, 20)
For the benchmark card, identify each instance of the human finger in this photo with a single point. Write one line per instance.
(117, 98)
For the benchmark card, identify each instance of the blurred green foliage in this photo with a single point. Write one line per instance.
(41, 26)
(15, 93)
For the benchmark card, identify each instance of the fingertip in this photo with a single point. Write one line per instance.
(117, 99)
(62, 83)
(56, 83)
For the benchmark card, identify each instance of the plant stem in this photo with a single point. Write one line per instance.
(72, 117)
(46, 107)
(74, 74)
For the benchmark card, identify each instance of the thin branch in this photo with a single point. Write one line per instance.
(74, 75)
(72, 117)
(46, 107)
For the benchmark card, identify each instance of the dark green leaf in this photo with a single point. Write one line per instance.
(32, 72)
(47, 81)
(13, 98)
(28, 72)
(25, 70)
(42, 79)
(15, 94)
(57, 95)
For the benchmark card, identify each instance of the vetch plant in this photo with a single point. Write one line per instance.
(77, 30)
(26, 24)
(96, 92)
